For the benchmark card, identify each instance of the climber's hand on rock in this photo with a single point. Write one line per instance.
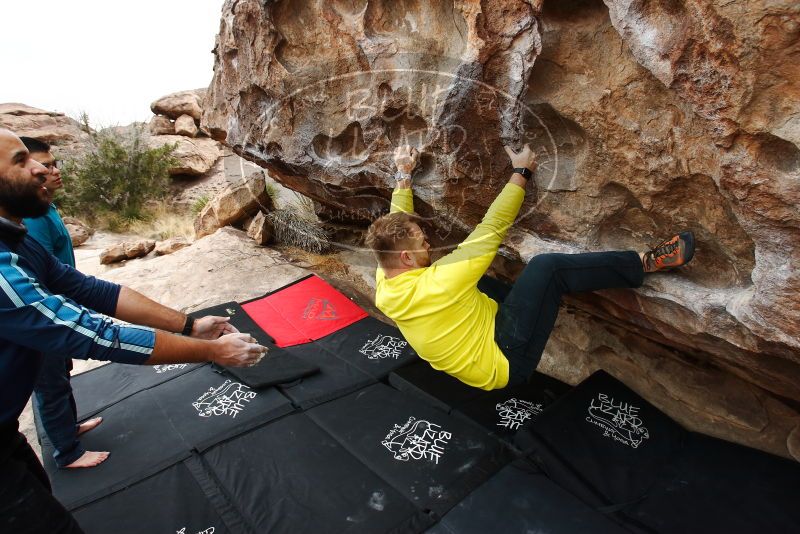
(238, 350)
(405, 158)
(524, 158)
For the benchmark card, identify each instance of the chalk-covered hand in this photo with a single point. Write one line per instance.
(212, 326)
(238, 350)
(405, 158)
(524, 158)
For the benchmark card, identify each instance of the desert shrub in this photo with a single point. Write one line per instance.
(117, 177)
(162, 220)
(272, 192)
(292, 228)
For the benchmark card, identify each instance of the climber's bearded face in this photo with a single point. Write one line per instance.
(22, 191)
(417, 251)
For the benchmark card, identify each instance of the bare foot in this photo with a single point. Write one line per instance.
(88, 425)
(89, 459)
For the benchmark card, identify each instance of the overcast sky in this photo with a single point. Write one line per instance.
(108, 58)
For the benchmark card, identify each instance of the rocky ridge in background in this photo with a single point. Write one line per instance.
(205, 166)
(64, 133)
(176, 121)
(649, 117)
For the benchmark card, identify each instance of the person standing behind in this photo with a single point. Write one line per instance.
(49, 230)
(54, 402)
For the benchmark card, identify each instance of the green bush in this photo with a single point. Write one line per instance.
(199, 204)
(117, 177)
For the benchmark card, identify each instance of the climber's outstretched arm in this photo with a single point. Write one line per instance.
(405, 159)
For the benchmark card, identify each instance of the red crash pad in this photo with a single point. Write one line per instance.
(303, 312)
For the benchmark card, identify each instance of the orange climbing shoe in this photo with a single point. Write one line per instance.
(674, 252)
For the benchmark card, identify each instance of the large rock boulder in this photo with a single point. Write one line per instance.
(181, 103)
(64, 133)
(173, 244)
(233, 204)
(161, 125)
(127, 250)
(79, 232)
(648, 117)
(260, 229)
(184, 125)
(195, 156)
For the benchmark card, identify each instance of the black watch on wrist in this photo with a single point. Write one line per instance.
(187, 328)
(524, 171)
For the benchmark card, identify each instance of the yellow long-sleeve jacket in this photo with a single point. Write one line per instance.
(439, 309)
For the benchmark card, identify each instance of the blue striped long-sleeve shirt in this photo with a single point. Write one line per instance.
(47, 307)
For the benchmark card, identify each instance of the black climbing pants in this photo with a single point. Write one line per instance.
(55, 405)
(27, 505)
(527, 310)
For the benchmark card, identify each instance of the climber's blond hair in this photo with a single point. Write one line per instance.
(391, 234)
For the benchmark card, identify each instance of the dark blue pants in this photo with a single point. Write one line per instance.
(56, 409)
(26, 504)
(527, 310)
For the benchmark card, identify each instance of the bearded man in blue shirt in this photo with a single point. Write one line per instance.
(47, 310)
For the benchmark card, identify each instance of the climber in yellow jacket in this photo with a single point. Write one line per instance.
(469, 325)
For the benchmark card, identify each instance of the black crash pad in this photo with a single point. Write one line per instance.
(717, 486)
(277, 367)
(436, 388)
(335, 379)
(371, 346)
(99, 388)
(615, 451)
(431, 458)
(291, 476)
(170, 501)
(505, 411)
(602, 442)
(516, 500)
(141, 441)
(501, 411)
(205, 407)
(159, 426)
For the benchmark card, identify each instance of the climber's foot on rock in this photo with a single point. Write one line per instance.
(674, 252)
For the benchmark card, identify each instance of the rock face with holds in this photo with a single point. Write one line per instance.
(648, 117)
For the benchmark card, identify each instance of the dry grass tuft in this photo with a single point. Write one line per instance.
(293, 228)
(164, 220)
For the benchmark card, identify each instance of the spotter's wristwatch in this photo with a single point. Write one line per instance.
(188, 326)
(402, 176)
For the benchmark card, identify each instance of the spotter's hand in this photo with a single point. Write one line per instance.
(212, 326)
(238, 350)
